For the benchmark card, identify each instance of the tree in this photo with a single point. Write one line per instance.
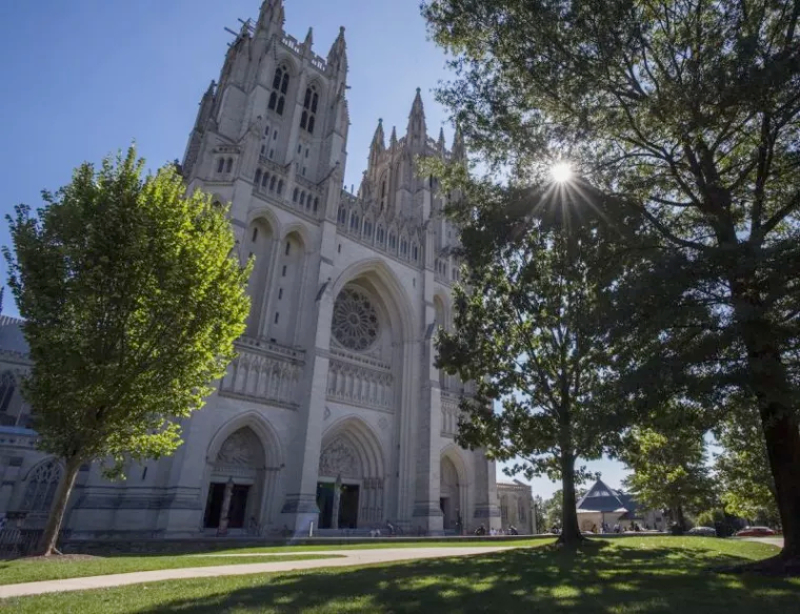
(526, 332)
(746, 484)
(538, 513)
(132, 296)
(669, 471)
(689, 112)
(553, 508)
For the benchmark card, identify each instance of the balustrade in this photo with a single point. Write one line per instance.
(268, 374)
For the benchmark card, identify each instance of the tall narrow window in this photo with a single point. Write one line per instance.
(295, 194)
(280, 186)
(283, 271)
(221, 165)
(342, 215)
(255, 234)
(258, 176)
(7, 385)
(229, 165)
(280, 85)
(310, 102)
(272, 184)
(316, 204)
(288, 248)
(280, 293)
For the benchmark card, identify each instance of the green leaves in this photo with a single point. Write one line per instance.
(132, 297)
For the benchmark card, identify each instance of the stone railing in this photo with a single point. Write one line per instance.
(264, 373)
(366, 382)
(291, 42)
(319, 63)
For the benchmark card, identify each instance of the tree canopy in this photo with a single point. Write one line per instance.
(132, 295)
(689, 112)
(526, 332)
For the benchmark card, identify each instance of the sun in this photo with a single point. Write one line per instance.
(561, 172)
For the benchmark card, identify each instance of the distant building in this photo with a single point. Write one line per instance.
(602, 504)
(516, 507)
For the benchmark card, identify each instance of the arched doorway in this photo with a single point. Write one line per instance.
(236, 487)
(450, 495)
(350, 486)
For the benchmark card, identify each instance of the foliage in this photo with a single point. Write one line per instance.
(746, 484)
(669, 471)
(689, 112)
(539, 513)
(526, 331)
(132, 297)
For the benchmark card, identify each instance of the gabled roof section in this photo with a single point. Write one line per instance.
(601, 498)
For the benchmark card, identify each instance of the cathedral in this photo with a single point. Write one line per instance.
(333, 417)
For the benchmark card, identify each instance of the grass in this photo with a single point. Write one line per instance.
(56, 568)
(657, 575)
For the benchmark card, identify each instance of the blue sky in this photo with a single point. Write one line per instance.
(83, 79)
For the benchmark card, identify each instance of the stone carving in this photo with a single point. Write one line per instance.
(262, 378)
(450, 415)
(360, 385)
(241, 448)
(355, 321)
(339, 458)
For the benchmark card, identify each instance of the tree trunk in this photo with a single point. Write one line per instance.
(570, 531)
(769, 382)
(47, 544)
(680, 519)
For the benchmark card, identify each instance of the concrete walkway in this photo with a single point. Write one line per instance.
(349, 558)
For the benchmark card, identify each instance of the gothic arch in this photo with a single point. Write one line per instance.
(301, 230)
(441, 304)
(40, 484)
(396, 299)
(454, 489)
(354, 432)
(273, 452)
(266, 214)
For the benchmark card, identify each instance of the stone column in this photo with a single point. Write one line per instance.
(487, 510)
(337, 501)
(226, 508)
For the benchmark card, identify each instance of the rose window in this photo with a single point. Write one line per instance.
(355, 322)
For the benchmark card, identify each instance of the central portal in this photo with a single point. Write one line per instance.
(347, 505)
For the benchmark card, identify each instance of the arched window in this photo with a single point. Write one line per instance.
(295, 194)
(342, 215)
(229, 165)
(302, 198)
(383, 193)
(380, 234)
(221, 165)
(367, 229)
(258, 176)
(392, 241)
(41, 487)
(272, 183)
(280, 85)
(316, 204)
(7, 385)
(415, 253)
(310, 102)
(404, 247)
(264, 180)
(355, 222)
(280, 187)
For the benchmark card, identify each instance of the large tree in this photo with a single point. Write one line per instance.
(527, 333)
(132, 295)
(669, 471)
(689, 110)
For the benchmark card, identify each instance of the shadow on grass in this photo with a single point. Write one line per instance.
(597, 578)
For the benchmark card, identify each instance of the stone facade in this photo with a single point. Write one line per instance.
(516, 507)
(333, 415)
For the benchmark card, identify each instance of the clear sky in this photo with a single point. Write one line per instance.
(83, 79)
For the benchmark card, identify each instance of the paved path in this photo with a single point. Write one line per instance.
(774, 541)
(349, 558)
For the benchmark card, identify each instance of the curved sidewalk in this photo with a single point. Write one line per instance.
(348, 558)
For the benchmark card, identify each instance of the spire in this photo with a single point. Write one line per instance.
(393, 138)
(337, 56)
(441, 140)
(417, 130)
(271, 13)
(378, 139)
(459, 151)
(309, 39)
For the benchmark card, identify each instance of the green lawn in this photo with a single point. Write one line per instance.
(34, 570)
(633, 575)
